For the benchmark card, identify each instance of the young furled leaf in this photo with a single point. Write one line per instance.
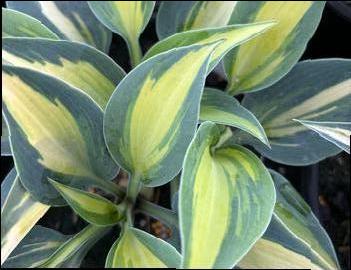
(70, 20)
(226, 190)
(219, 107)
(19, 213)
(294, 238)
(135, 248)
(152, 116)
(180, 16)
(77, 64)
(337, 133)
(126, 18)
(56, 131)
(232, 36)
(94, 208)
(317, 90)
(18, 24)
(266, 59)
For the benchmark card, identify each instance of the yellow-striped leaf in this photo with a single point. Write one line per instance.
(266, 59)
(231, 36)
(294, 238)
(152, 115)
(135, 249)
(318, 90)
(56, 131)
(337, 133)
(126, 18)
(35, 248)
(71, 253)
(79, 65)
(226, 201)
(219, 107)
(18, 24)
(70, 20)
(19, 213)
(179, 16)
(93, 208)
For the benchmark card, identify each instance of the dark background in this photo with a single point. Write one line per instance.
(325, 186)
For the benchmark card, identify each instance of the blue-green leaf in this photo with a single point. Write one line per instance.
(266, 59)
(70, 20)
(294, 238)
(219, 107)
(180, 16)
(19, 213)
(152, 115)
(56, 131)
(317, 90)
(226, 200)
(135, 248)
(18, 24)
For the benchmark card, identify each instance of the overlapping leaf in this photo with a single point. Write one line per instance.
(5, 140)
(92, 207)
(18, 24)
(318, 90)
(231, 36)
(79, 65)
(266, 59)
(180, 16)
(35, 248)
(19, 213)
(56, 131)
(219, 107)
(126, 18)
(151, 117)
(70, 20)
(337, 133)
(71, 253)
(135, 249)
(226, 190)
(294, 239)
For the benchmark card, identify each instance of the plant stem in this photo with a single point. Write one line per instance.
(134, 52)
(166, 215)
(133, 189)
(110, 186)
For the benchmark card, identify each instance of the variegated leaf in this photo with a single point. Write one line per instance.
(5, 140)
(35, 248)
(231, 36)
(180, 16)
(126, 18)
(19, 213)
(93, 208)
(70, 20)
(294, 238)
(79, 65)
(135, 248)
(226, 190)
(18, 24)
(151, 117)
(266, 59)
(56, 131)
(219, 107)
(71, 253)
(317, 90)
(337, 133)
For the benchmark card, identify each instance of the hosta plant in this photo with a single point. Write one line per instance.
(74, 121)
